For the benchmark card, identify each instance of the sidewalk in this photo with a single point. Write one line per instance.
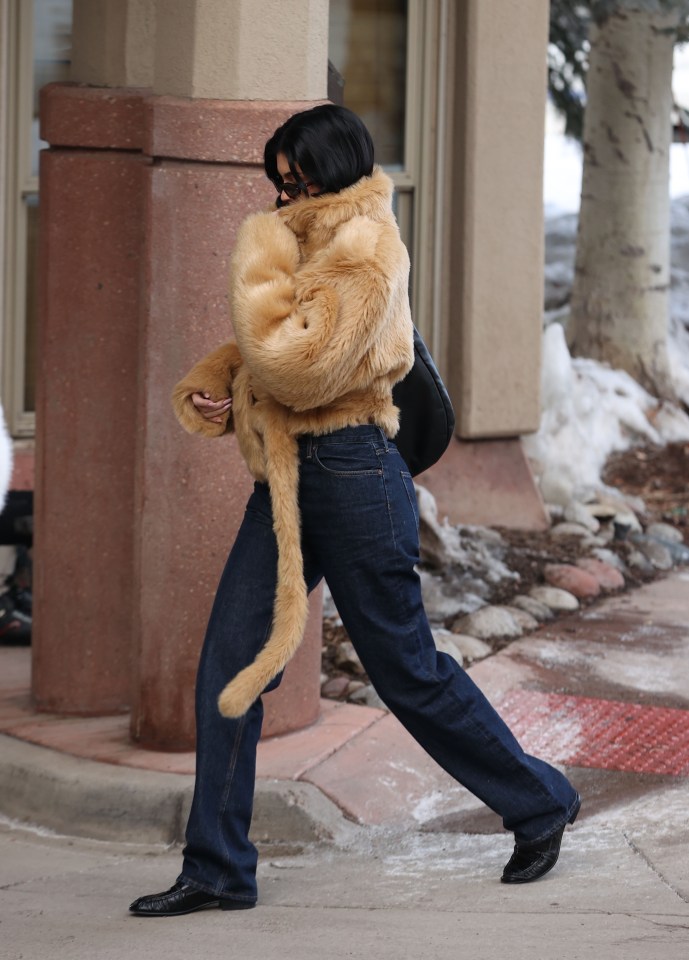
(604, 692)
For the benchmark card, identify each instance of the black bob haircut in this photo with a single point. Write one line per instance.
(330, 145)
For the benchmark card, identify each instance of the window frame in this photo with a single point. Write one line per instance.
(19, 185)
(421, 187)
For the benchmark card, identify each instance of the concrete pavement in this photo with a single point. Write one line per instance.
(620, 892)
(415, 864)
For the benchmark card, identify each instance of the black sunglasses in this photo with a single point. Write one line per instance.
(293, 190)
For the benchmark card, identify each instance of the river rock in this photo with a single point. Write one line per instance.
(555, 489)
(678, 551)
(445, 643)
(335, 687)
(625, 522)
(570, 530)
(525, 620)
(347, 657)
(329, 608)
(488, 622)
(639, 562)
(443, 600)
(583, 585)
(663, 531)
(608, 577)
(561, 601)
(538, 610)
(611, 558)
(368, 696)
(658, 553)
(577, 513)
(471, 648)
(602, 510)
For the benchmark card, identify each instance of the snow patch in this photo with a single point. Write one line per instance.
(588, 412)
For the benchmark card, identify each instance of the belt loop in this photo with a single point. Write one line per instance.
(383, 438)
(309, 447)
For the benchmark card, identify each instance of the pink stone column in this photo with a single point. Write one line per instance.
(91, 236)
(192, 491)
(136, 517)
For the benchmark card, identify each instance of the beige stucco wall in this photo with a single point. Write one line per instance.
(244, 50)
(239, 50)
(113, 42)
(496, 272)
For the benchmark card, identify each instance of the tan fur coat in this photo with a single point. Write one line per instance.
(320, 310)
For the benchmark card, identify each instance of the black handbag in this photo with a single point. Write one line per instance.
(427, 420)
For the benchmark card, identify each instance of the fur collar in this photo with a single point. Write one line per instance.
(315, 220)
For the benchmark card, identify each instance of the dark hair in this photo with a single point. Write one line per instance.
(330, 145)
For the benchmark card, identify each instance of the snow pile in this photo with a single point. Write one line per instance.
(590, 411)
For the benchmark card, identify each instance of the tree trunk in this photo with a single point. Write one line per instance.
(619, 307)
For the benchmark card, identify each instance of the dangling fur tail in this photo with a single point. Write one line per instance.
(291, 599)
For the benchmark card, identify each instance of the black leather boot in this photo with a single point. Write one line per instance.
(181, 899)
(530, 861)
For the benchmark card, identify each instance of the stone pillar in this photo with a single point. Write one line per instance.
(497, 275)
(113, 42)
(192, 491)
(91, 236)
(496, 271)
(244, 50)
(135, 516)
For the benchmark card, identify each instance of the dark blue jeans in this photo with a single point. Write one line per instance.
(360, 533)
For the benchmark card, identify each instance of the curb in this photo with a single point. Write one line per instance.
(101, 801)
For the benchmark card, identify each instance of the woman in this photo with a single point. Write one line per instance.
(323, 330)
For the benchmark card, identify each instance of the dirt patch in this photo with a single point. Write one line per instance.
(660, 476)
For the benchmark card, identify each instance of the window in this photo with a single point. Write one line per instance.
(38, 53)
(391, 57)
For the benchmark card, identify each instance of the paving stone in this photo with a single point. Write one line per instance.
(384, 775)
(288, 757)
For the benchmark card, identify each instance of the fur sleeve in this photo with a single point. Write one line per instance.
(304, 331)
(213, 375)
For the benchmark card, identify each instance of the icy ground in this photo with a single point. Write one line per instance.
(589, 410)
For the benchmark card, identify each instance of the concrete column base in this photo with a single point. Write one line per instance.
(488, 483)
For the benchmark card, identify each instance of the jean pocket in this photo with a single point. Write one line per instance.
(356, 459)
(411, 493)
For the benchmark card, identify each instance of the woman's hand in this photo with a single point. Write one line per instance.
(213, 410)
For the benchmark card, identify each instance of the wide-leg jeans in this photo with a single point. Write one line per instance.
(359, 532)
